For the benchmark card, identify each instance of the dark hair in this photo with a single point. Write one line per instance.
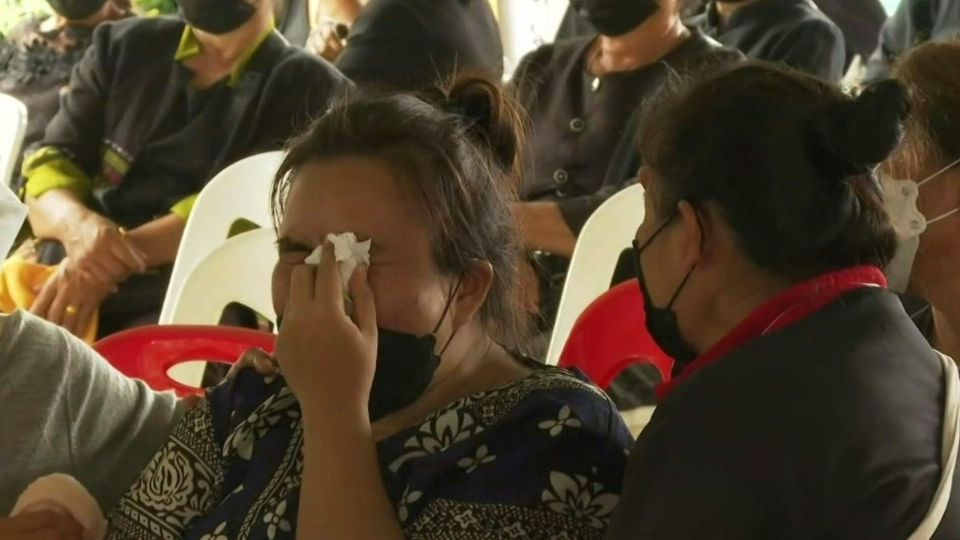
(787, 159)
(75, 10)
(931, 74)
(457, 148)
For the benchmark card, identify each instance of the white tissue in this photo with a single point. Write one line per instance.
(61, 493)
(348, 251)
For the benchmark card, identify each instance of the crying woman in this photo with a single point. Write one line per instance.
(402, 416)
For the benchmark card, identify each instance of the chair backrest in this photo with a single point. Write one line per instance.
(13, 128)
(606, 234)
(239, 270)
(611, 335)
(240, 191)
(149, 353)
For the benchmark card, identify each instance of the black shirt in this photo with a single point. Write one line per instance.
(914, 22)
(576, 126)
(793, 32)
(830, 428)
(411, 44)
(148, 140)
(859, 20)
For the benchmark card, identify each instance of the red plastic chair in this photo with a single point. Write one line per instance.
(610, 335)
(148, 353)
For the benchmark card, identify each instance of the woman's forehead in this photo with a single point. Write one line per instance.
(350, 194)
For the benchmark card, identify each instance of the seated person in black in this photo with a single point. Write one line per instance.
(914, 22)
(859, 20)
(804, 402)
(37, 55)
(793, 32)
(410, 44)
(580, 95)
(155, 109)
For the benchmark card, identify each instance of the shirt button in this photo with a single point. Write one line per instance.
(561, 176)
(577, 125)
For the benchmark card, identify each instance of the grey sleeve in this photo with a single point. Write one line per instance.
(63, 408)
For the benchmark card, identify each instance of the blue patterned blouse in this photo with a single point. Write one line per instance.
(541, 457)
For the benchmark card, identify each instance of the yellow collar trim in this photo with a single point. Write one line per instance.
(190, 47)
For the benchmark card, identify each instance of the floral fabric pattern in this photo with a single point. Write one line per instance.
(542, 458)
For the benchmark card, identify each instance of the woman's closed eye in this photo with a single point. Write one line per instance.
(292, 252)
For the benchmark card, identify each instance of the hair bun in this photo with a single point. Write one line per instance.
(854, 135)
(492, 118)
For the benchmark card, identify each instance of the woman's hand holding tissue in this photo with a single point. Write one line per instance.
(327, 357)
(40, 525)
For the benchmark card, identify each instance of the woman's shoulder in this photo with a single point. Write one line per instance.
(545, 388)
(540, 457)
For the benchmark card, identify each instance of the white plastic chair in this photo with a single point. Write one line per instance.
(240, 191)
(239, 270)
(609, 231)
(13, 128)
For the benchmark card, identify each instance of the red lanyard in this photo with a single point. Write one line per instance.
(790, 306)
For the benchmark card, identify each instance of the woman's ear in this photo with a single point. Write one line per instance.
(472, 294)
(692, 242)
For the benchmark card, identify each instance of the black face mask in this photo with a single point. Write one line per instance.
(615, 17)
(216, 16)
(662, 322)
(76, 10)
(405, 366)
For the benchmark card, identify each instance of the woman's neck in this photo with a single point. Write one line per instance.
(229, 48)
(642, 46)
(742, 295)
(474, 363)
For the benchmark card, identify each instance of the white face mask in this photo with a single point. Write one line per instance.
(900, 202)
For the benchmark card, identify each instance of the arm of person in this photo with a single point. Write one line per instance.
(543, 228)
(159, 240)
(341, 11)
(73, 413)
(340, 475)
(554, 226)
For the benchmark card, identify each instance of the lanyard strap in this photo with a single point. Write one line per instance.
(951, 442)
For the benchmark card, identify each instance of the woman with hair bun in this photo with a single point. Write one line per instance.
(804, 403)
(400, 413)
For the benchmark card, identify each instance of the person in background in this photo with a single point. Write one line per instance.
(398, 414)
(792, 32)
(922, 186)
(859, 20)
(914, 22)
(581, 96)
(804, 403)
(409, 44)
(66, 410)
(155, 109)
(36, 57)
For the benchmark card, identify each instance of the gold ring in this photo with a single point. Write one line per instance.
(71, 310)
(123, 231)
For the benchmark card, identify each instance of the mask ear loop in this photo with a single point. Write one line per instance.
(938, 173)
(446, 310)
(694, 267)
